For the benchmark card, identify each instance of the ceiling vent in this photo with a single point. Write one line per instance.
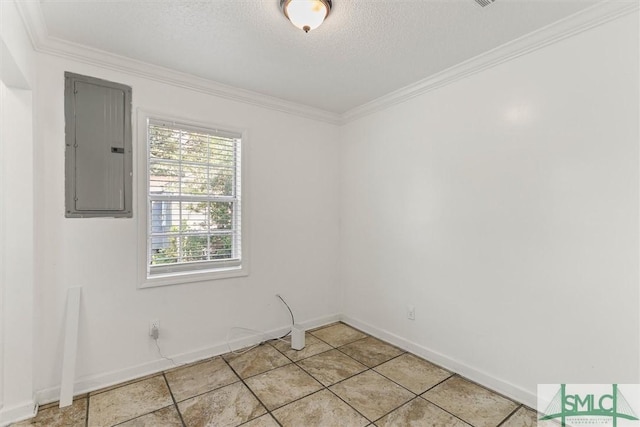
(484, 3)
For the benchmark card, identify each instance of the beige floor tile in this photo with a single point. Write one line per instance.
(413, 373)
(69, 416)
(371, 351)
(282, 385)
(256, 361)
(128, 402)
(372, 394)
(264, 421)
(338, 334)
(312, 347)
(166, 417)
(209, 393)
(525, 417)
(420, 413)
(322, 409)
(199, 378)
(331, 366)
(471, 402)
(135, 380)
(227, 406)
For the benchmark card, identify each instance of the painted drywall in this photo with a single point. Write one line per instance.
(18, 248)
(16, 217)
(19, 62)
(504, 207)
(292, 223)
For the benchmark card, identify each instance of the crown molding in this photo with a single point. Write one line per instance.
(591, 17)
(44, 43)
(594, 16)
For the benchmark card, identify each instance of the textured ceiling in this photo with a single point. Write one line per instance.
(365, 49)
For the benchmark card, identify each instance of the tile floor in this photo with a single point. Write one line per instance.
(342, 378)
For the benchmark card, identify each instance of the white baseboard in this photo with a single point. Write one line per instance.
(499, 385)
(96, 382)
(320, 321)
(17, 413)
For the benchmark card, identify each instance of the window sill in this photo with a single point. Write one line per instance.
(169, 279)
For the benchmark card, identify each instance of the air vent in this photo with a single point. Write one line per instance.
(484, 3)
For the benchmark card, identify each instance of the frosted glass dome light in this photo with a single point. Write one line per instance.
(306, 14)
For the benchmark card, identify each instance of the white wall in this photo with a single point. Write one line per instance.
(293, 219)
(17, 53)
(16, 217)
(18, 248)
(504, 207)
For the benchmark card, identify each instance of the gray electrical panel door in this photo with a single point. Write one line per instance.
(98, 148)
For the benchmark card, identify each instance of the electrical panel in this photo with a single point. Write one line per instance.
(98, 155)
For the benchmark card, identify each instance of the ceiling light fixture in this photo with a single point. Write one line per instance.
(306, 14)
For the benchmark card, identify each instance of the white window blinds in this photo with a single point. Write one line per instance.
(194, 196)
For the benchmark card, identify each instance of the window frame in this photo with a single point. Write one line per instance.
(199, 271)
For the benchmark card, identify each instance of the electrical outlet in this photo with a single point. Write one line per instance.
(154, 328)
(411, 312)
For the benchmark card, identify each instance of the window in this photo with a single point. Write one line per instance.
(193, 201)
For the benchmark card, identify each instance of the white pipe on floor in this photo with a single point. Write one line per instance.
(70, 346)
